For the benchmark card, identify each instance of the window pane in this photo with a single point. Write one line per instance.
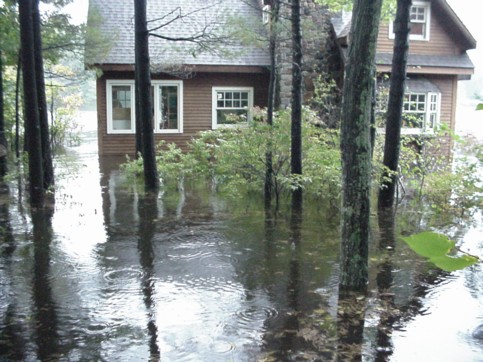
(232, 116)
(168, 107)
(121, 107)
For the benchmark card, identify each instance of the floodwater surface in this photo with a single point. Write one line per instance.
(110, 274)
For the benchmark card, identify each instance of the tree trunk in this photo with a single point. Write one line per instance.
(392, 143)
(48, 180)
(3, 139)
(32, 127)
(271, 103)
(143, 84)
(356, 145)
(17, 107)
(296, 130)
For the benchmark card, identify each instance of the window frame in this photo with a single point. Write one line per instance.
(215, 107)
(110, 125)
(156, 105)
(155, 84)
(427, 22)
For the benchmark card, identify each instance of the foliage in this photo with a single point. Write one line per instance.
(436, 248)
(234, 158)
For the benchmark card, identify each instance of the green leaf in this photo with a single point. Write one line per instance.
(436, 247)
(449, 263)
(479, 107)
(429, 244)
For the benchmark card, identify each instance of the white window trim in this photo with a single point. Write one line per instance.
(110, 128)
(426, 36)
(425, 130)
(214, 106)
(266, 14)
(154, 83)
(179, 85)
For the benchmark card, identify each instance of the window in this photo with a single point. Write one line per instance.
(420, 112)
(168, 100)
(167, 106)
(231, 106)
(420, 21)
(266, 13)
(120, 106)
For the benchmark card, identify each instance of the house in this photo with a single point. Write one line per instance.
(437, 60)
(196, 85)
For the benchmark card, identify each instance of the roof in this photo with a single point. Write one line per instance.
(444, 61)
(114, 21)
(342, 23)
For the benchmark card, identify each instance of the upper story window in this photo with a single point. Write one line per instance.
(167, 106)
(420, 17)
(266, 14)
(231, 106)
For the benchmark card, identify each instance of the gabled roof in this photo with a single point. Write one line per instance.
(116, 25)
(457, 28)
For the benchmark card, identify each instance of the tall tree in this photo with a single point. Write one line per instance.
(143, 86)
(48, 167)
(296, 130)
(32, 126)
(392, 142)
(3, 139)
(356, 144)
(271, 100)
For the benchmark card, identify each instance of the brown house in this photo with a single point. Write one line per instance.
(196, 85)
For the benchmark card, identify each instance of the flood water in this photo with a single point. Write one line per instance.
(190, 275)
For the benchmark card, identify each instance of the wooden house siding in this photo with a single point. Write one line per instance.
(440, 41)
(197, 107)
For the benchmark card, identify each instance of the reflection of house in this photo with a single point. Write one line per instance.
(198, 92)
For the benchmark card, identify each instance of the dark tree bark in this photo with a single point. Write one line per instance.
(3, 139)
(271, 102)
(138, 124)
(32, 127)
(48, 167)
(392, 143)
(143, 85)
(17, 106)
(356, 145)
(296, 130)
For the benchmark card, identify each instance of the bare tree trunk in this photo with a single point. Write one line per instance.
(143, 85)
(17, 106)
(356, 145)
(392, 143)
(32, 127)
(48, 167)
(3, 139)
(296, 130)
(271, 103)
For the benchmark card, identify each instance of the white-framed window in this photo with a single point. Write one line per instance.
(167, 106)
(120, 106)
(420, 112)
(231, 106)
(420, 16)
(266, 14)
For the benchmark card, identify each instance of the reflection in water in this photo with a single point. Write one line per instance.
(148, 212)
(45, 312)
(190, 275)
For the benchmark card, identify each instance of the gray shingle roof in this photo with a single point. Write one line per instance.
(219, 17)
(446, 61)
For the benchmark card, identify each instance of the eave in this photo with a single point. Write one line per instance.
(245, 69)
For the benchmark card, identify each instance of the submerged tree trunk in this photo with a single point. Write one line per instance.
(392, 143)
(32, 127)
(296, 131)
(271, 103)
(356, 145)
(48, 167)
(143, 85)
(3, 139)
